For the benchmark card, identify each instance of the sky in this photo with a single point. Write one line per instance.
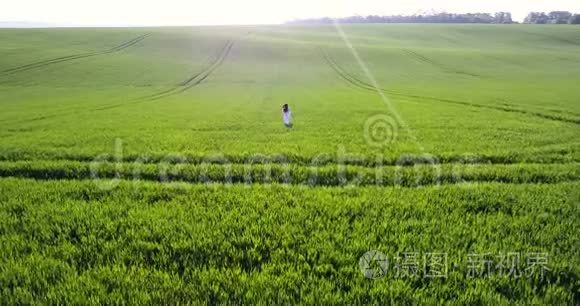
(215, 12)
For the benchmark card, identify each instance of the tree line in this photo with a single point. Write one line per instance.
(557, 17)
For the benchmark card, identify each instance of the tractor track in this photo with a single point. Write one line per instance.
(194, 80)
(68, 58)
(350, 79)
(415, 175)
(426, 60)
(198, 77)
(214, 63)
(357, 83)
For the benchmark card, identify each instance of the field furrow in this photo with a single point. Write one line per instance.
(358, 83)
(197, 78)
(44, 63)
(328, 175)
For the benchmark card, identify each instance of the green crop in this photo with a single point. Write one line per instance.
(151, 165)
(63, 241)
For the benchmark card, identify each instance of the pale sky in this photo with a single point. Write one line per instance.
(212, 12)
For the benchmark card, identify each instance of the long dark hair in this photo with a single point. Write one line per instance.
(285, 108)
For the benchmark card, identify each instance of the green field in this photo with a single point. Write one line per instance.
(150, 165)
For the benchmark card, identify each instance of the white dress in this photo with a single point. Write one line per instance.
(287, 116)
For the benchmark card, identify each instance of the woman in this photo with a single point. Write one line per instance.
(287, 116)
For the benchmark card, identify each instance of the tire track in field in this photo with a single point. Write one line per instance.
(197, 78)
(552, 37)
(411, 176)
(359, 84)
(351, 80)
(421, 58)
(192, 81)
(563, 111)
(44, 63)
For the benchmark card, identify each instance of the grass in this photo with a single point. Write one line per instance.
(66, 240)
(228, 205)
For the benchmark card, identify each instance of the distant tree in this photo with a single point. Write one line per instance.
(537, 18)
(507, 17)
(503, 17)
(374, 19)
(530, 18)
(483, 18)
(500, 18)
(542, 18)
(559, 17)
